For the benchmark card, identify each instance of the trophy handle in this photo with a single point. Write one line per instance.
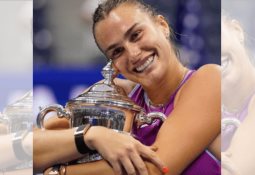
(229, 121)
(61, 113)
(148, 119)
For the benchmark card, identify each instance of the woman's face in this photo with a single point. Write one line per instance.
(136, 43)
(234, 59)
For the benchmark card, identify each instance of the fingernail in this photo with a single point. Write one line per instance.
(165, 170)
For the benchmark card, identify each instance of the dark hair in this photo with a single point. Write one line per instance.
(107, 6)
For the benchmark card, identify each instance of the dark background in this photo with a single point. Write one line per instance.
(66, 60)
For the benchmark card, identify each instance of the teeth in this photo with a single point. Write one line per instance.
(145, 65)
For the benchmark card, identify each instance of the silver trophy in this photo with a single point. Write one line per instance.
(104, 104)
(18, 115)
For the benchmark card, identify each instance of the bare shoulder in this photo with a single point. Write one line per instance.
(209, 70)
(203, 84)
(205, 75)
(197, 109)
(127, 85)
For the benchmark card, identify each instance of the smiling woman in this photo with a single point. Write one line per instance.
(137, 40)
(238, 75)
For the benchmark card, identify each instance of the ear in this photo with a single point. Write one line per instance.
(237, 29)
(163, 25)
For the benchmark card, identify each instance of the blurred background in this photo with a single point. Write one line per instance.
(243, 12)
(66, 59)
(16, 54)
(16, 69)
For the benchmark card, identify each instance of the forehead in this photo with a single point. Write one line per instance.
(117, 22)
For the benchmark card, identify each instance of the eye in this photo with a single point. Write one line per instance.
(117, 52)
(135, 36)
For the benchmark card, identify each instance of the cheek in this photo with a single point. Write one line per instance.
(120, 65)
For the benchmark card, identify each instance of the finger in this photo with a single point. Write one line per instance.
(128, 166)
(139, 163)
(150, 155)
(154, 148)
(116, 167)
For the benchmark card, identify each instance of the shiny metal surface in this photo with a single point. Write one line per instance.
(20, 113)
(104, 104)
(225, 122)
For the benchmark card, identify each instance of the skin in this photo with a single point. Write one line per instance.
(174, 145)
(8, 158)
(238, 159)
(20, 172)
(237, 71)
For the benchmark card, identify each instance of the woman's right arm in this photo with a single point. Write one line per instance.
(51, 147)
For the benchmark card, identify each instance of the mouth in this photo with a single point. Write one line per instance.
(144, 64)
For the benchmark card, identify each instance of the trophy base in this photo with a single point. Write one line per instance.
(89, 157)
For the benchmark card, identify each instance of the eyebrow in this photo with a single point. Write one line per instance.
(125, 35)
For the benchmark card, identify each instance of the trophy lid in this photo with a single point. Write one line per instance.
(106, 92)
(19, 114)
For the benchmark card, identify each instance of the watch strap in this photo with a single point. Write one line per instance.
(80, 144)
(18, 149)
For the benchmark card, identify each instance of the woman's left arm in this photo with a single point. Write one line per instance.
(195, 121)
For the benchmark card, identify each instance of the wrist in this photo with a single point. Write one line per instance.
(80, 144)
(27, 143)
(18, 145)
(90, 137)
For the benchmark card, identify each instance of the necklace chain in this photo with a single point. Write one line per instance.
(163, 105)
(157, 106)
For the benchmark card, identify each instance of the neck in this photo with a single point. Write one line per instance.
(166, 85)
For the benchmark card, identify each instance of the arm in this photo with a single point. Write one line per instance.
(8, 157)
(197, 109)
(195, 121)
(240, 155)
(26, 171)
(53, 147)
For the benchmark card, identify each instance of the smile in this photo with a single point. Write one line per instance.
(146, 64)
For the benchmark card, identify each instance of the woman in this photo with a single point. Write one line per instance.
(238, 75)
(136, 39)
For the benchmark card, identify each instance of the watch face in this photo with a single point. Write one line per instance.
(80, 130)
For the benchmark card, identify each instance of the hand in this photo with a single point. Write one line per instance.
(56, 123)
(228, 167)
(121, 150)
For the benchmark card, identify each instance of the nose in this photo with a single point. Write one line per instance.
(134, 52)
